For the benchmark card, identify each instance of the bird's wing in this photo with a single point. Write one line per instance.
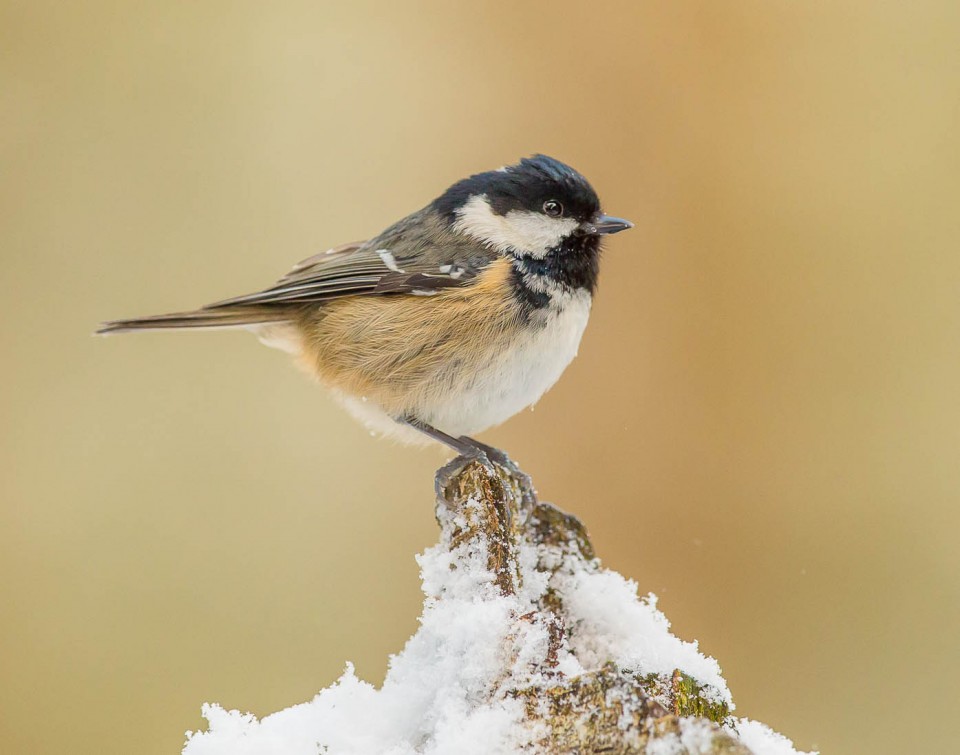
(397, 262)
(418, 255)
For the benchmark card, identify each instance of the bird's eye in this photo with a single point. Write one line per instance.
(553, 208)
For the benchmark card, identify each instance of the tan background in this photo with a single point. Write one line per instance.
(762, 426)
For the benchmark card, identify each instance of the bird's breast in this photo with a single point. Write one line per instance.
(515, 373)
(462, 360)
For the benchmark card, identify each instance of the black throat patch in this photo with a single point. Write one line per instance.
(572, 266)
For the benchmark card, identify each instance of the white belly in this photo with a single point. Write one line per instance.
(518, 377)
(511, 381)
(514, 377)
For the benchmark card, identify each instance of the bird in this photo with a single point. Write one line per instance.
(451, 320)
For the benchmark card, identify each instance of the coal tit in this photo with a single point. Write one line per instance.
(451, 320)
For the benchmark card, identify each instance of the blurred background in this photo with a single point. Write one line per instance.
(762, 426)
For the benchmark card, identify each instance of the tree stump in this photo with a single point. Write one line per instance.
(526, 645)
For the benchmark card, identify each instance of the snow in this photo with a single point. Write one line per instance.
(447, 691)
(696, 737)
(615, 625)
(762, 740)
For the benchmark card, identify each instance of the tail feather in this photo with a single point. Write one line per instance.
(200, 318)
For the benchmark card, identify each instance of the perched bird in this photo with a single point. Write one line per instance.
(451, 320)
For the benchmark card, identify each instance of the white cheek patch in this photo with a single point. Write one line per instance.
(531, 233)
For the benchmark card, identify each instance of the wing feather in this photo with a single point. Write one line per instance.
(418, 255)
(388, 264)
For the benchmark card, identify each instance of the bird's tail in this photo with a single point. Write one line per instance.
(238, 317)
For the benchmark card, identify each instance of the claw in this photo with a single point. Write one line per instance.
(501, 459)
(452, 469)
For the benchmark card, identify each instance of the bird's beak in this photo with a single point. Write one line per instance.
(605, 225)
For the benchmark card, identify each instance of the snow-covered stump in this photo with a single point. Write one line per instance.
(526, 644)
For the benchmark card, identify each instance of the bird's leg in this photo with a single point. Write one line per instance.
(492, 453)
(468, 451)
(463, 446)
(500, 457)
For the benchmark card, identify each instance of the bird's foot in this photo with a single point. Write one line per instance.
(449, 472)
(501, 459)
(472, 451)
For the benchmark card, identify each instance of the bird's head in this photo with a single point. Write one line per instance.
(528, 209)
